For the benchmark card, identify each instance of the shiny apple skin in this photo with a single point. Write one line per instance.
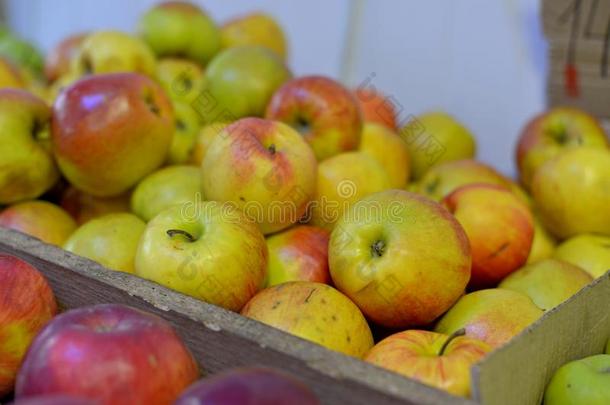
(252, 386)
(110, 130)
(334, 120)
(112, 353)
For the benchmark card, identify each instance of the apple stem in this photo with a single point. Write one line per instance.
(459, 332)
(172, 232)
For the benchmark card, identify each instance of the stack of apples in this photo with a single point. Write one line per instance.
(189, 155)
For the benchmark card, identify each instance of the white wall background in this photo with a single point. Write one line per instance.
(480, 60)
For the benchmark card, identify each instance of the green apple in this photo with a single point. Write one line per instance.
(179, 28)
(182, 79)
(548, 282)
(186, 122)
(587, 251)
(111, 240)
(241, 80)
(168, 186)
(572, 192)
(27, 168)
(434, 138)
(581, 382)
(22, 53)
(208, 250)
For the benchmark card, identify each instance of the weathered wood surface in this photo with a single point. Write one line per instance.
(221, 339)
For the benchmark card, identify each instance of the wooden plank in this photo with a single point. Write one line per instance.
(220, 339)
(518, 372)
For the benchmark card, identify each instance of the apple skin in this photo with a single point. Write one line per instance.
(180, 28)
(40, 219)
(28, 169)
(113, 52)
(416, 354)
(315, 312)
(389, 150)
(547, 282)
(587, 251)
(59, 60)
(171, 185)
(155, 364)
(26, 305)
(543, 243)
(572, 194)
(224, 264)
(111, 240)
(551, 132)
(299, 253)
(241, 81)
(249, 385)
(322, 110)
(402, 258)
(375, 108)
(187, 127)
(263, 167)
(204, 140)
(182, 79)
(494, 315)
(111, 130)
(254, 29)
(584, 381)
(343, 180)
(84, 207)
(500, 229)
(55, 400)
(10, 75)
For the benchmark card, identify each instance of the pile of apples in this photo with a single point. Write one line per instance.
(189, 155)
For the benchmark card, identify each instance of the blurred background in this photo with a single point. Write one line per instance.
(482, 61)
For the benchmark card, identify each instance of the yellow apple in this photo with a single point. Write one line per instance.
(10, 75)
(204, 140)
(543, 244)
(182, 79)
(41, 219)
(254, 29)
(587, 251)
(186, 128)
(389, 150)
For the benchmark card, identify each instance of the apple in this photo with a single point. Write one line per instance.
(27, 166)
(111, 52)
(111, 240)
(494, 315)
(588, 251)
(572, 194)
(324, 112)
(431, 358)
(171, 185)
(21, 53)
(10, 75)
(389, 150)
(110, 353)
(204, 140)
(26, 305)
(187, 127)
(343, 180)
(543, 243)
(55, 400)
(500, 229)
(240, 82)
(548, 282)
(207, 250)
(84, 207)
(299, 253)
(40, 219)
(59, 59)
(182, 79)
(434, 138)
(249, 385)
(111, 130)
(263, 167)
(608, 347)
(179, 28)
(254, 29)
(376, 108)
(402, 258)
(584, 381)
(552, 132)
(315, 312)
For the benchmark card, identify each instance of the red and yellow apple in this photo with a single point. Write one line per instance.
(26, 305)
(376, 108)
(389, 150)
(402, 258)
(588, 251)
(84, 207)
(254, 29)
(59, 59)
(324, 112)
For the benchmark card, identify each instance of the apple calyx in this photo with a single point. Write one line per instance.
(459, 332)
(377, 248)
(301, 125)
(150, 103)
(272, 149)
(172, 232)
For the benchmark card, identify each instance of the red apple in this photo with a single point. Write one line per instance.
(322, 110)
(299, 253)
(110, 353)
(500, 229)
(26, 305)
(55, 400)
(252, 386)
(111, 130)
(375, 107)
(58, 60)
